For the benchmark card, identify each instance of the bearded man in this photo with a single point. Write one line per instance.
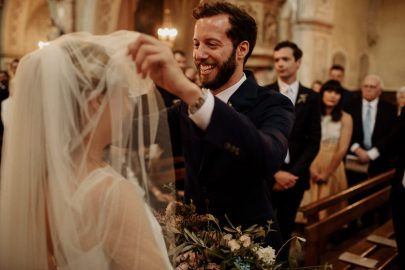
(233, 132)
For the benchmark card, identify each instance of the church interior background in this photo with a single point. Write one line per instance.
(364, 36)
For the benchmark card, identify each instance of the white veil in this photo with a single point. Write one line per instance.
(60, 205)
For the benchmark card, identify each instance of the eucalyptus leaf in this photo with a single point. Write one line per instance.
(251, 228)
(229, 221)
(298, 246)
(228, 229)
(176, 250)
(187, 248)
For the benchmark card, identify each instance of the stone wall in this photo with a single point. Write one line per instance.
(368, 37)
(365, 36)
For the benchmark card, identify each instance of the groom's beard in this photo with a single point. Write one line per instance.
(225, 72)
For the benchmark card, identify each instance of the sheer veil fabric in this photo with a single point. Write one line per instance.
(75, 173)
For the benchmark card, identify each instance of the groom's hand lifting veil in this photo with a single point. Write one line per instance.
(155, 59)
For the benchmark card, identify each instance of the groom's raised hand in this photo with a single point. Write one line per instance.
(155, 59)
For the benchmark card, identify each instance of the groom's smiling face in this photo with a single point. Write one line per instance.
(224, 73)
(214, 54)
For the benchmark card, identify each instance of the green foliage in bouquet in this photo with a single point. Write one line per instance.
(199, 242)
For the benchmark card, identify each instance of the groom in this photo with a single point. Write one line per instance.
(234, 135)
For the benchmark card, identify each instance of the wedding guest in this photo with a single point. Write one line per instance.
(234, 135)
(316, 86)
(4, 82)
(400, 99)
(327, 170)
(292, 179)
(337, 72)
(6, 104)
(181, 59)
(4, 78)
(373, 118)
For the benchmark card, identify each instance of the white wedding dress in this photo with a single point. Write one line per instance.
(131, 219)
(79, 104)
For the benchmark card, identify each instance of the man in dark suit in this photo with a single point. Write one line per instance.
(373, 119)
(292, 179)
(398, 187)
(337, 72)
(234, 137)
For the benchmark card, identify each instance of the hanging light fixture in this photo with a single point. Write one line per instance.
(167, 32)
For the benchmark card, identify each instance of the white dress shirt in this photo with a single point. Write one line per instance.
(290, 91)
(202, 117)
(373, 108)
(373, 153)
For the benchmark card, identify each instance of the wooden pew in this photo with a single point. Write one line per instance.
(382, 253)
(317, 231)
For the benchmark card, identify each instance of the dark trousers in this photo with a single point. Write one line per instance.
(285, 204)
(398, 218)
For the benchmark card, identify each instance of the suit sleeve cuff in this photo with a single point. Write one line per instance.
(202, 117)
(373, 153)
(354, 147)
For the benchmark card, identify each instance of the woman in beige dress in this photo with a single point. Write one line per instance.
(327, 170)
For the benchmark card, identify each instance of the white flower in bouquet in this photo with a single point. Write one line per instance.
(227, 237)
(245, 239)
(267, 255)
(234, 245)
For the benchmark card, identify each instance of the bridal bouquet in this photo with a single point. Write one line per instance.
(199, 242)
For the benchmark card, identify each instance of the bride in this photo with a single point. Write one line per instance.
(76, 158)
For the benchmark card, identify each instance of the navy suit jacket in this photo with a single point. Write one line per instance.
(305, 137)
(384, 123)
(228, 164)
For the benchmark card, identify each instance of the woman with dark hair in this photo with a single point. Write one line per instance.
(327, 170)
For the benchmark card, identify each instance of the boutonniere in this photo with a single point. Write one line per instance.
(302, 98)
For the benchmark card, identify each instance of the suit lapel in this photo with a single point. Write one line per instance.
(274, 86)
(244, 98)
(298, 102)
(379, 117)
(357, 114)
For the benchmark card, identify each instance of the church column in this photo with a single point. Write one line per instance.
(312, 32)
(265, 14)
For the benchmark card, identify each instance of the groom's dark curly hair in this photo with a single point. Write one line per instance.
(243, 26)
